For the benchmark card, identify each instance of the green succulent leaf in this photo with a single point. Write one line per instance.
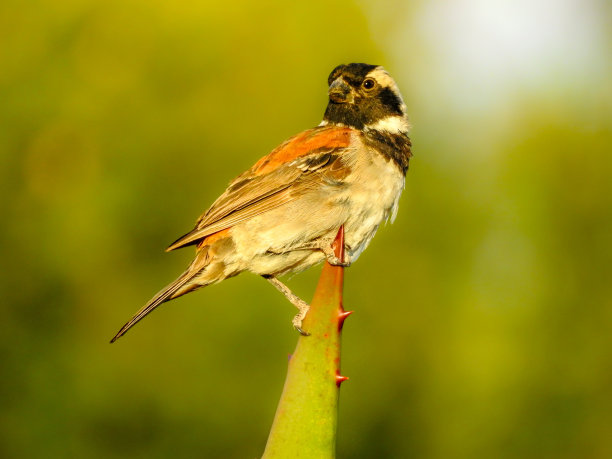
(307, 414)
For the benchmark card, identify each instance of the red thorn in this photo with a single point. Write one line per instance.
(344, 314)
(340, 379)
(342, 317)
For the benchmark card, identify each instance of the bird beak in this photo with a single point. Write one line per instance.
(340, 92)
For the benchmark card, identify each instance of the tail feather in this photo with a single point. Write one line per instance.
(164, 295)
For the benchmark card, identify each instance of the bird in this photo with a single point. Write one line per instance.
(282, 215)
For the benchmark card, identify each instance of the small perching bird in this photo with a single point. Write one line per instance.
(282, 215)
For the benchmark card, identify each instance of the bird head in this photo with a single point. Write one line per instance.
(364, 97)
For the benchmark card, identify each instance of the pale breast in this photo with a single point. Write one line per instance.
(377, 186)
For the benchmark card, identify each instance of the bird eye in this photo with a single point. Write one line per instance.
(368, 83)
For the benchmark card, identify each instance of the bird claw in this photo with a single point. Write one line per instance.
(301, 331)
(297, 322)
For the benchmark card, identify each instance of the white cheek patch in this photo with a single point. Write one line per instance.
(393, 124)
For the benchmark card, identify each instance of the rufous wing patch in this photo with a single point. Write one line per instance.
(303, 144)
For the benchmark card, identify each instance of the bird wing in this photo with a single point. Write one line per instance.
(299, 164)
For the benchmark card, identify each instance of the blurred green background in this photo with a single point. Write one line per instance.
(483, 315)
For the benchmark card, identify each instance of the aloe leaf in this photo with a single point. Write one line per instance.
(307, 414)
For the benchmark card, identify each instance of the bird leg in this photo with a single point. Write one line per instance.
(324, 247)
(295, 300)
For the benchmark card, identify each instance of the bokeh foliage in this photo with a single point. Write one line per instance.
(483, 315)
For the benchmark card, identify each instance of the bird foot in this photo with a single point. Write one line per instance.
(333, 260)
(299, 303)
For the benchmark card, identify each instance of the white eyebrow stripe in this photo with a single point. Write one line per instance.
(382, 77)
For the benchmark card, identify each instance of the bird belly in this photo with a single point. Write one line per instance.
(269, 244)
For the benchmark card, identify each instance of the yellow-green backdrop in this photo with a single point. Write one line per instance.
(483, 315)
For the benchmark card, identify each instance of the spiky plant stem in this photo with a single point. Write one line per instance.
(307, 414)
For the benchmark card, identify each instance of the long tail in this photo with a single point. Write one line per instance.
(170, 292)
